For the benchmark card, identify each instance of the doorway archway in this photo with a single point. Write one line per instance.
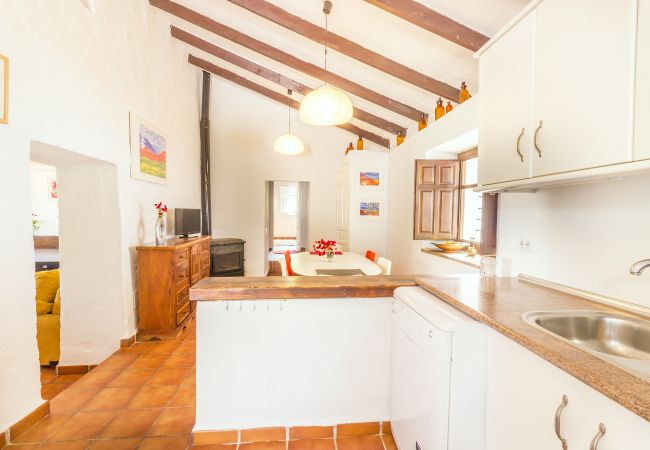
(92, 309)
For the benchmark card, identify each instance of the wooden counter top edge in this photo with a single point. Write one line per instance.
(287, 288)
(613, 391)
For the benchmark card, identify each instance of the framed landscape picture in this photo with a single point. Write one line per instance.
(148, 151)
(370, 210)
(370, 180)
(4, 89)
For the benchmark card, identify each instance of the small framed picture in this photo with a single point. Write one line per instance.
(148, 151)
(371, 180)
(371, 210)
(52, 190)
(4, 89)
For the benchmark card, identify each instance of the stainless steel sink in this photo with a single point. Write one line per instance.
(617, 338)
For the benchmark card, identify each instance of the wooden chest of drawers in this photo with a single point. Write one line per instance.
(165, 274)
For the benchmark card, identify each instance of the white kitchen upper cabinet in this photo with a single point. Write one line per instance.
(642, 102)
(506, 83)
(624, 430)
(583, 84)
(524, 393)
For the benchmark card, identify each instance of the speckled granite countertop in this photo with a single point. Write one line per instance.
(500, 302)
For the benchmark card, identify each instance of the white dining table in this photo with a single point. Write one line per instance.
(307, 265)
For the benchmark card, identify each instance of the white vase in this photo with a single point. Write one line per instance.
(161, 230)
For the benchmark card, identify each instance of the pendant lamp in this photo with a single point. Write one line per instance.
(288, 144)
(326, 106)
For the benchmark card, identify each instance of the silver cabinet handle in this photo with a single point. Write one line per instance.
(521, 155)
(539, 150)
(558, 421)
(598, 437)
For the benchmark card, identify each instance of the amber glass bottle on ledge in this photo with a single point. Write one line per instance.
(400, 138)
(423, 122)
(464, 93)
(360, 143)
(440, 110)
(450, 107)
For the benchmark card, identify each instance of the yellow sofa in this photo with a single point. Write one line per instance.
(48, 314)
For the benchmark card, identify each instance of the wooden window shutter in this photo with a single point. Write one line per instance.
(437, 186)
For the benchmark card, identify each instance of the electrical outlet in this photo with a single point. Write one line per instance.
(525, 245)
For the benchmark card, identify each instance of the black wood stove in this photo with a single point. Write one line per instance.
(227, 257)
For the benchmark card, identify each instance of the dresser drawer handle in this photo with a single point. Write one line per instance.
(558, 421)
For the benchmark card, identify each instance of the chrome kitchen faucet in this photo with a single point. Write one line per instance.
(638, 267)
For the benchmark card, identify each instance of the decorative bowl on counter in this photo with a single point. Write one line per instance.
(451, 246)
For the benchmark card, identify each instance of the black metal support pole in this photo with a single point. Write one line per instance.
(206, 201)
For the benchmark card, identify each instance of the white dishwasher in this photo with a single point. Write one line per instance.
(437, 398)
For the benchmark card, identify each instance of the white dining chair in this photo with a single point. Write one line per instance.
(385, 265)
(283, 268)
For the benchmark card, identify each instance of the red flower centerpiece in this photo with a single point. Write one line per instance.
(161, 225)
(326, 248)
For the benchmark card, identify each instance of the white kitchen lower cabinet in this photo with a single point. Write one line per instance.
(524, 392)
(624, 430)
(523, 395)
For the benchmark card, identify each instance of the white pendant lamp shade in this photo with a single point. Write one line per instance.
(326, 106)
(289, 144)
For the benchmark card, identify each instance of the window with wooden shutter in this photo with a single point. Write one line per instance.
(437, 184)
(446, 206)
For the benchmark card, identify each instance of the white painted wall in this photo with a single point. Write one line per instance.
(74, 76)
(46, 209)
(284, 225)
(442, 139)
(252, 371)
(583, 236)
(91, 317)
(244, 127)
(367, 233)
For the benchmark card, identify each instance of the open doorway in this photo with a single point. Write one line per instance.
(78, 263)
(287, 220)
(45, 226)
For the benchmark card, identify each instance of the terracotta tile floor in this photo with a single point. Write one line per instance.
(143, 397)
(53, 384)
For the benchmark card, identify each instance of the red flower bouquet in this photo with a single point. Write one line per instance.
(324, 247)
(161, 208)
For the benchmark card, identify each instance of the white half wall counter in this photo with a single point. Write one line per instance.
(292, 363)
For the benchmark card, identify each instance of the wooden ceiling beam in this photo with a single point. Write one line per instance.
(418, 14)
(347, 47)
(278, 97)
(278, 78)
(283, 57)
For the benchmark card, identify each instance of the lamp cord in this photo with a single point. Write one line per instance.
(289, 108)
(326, 32)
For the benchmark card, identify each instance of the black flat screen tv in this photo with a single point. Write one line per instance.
(187, 221)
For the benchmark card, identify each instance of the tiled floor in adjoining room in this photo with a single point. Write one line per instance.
(53, 384)
(143, 397)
